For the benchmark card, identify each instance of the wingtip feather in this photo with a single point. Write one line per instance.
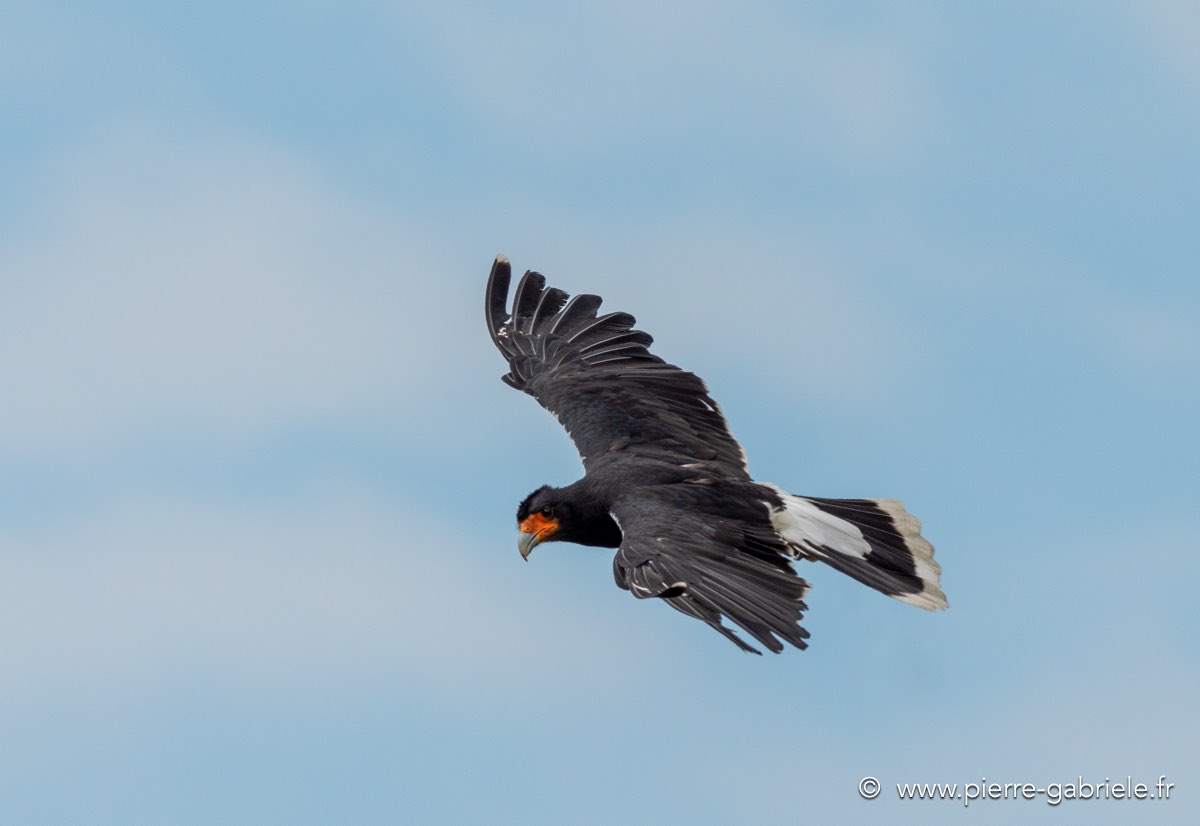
(497, 297)
(526, 297)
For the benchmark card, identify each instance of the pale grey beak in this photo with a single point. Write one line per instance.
(526, 543)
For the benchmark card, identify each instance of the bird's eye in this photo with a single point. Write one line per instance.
(548, 511)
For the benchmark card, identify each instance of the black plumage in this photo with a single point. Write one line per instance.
(666, 483)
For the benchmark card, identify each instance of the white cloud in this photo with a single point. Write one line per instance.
(1173, 26)
(215, 280)
(1064, 654)
(590, 79)
(723, 298)
(340, 586)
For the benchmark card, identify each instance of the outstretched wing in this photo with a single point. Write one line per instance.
(710, 567)
(596, 375)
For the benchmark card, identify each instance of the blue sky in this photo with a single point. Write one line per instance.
(258, 473)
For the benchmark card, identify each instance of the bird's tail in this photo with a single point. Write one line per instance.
(876, 541)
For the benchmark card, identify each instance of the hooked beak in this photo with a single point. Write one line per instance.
(526, 543)
(534, 530)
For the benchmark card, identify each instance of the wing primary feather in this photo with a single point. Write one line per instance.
(617, 322)
(580, 308)
(551, 302)
(627, 351)
(525, 299)
(554, 352)
(617, 356)
(759, 607)
(758, 619)
(627, 337)
(497, 293)
(576, 361)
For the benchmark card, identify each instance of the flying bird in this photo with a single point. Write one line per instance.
(666, 484)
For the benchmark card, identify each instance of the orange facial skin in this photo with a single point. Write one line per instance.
(535, 529)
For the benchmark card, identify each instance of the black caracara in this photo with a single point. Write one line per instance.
(666, 484)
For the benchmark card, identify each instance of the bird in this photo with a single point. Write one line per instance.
(666, 484)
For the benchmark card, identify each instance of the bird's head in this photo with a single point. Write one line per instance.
(542, 517)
